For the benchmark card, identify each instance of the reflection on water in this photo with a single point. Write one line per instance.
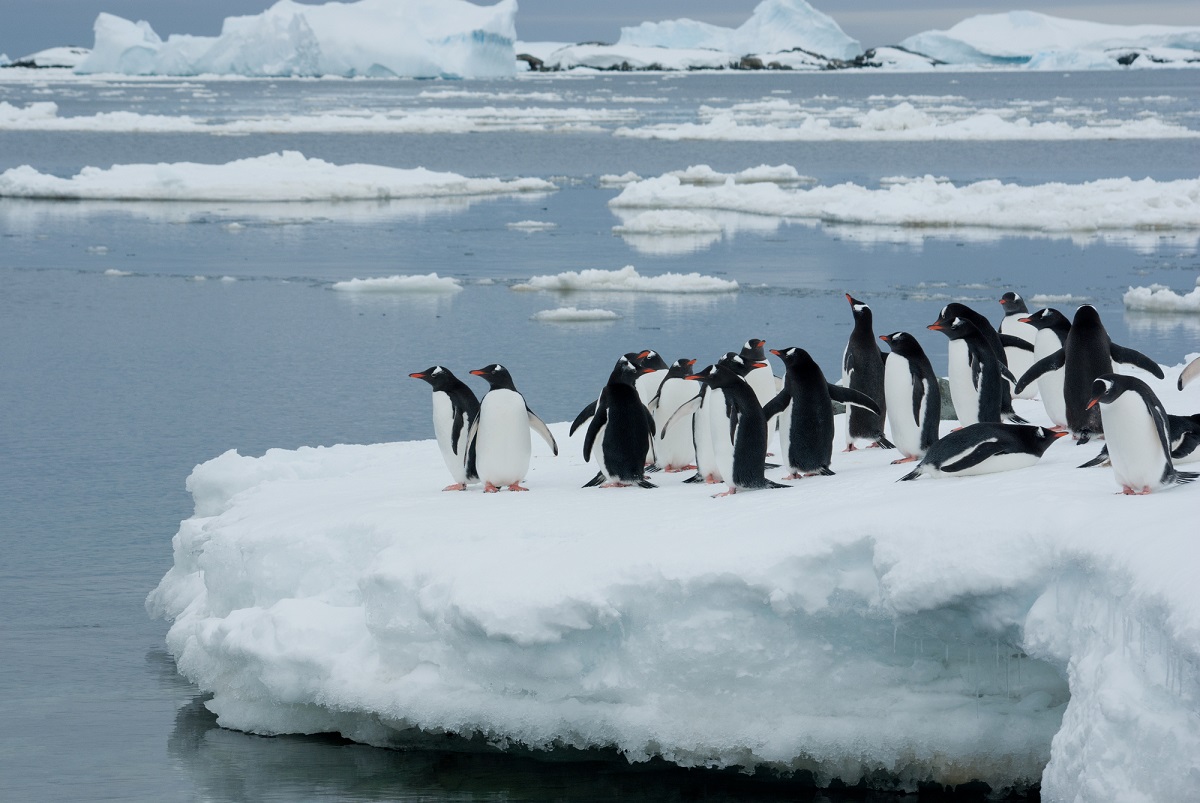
(1164, 323)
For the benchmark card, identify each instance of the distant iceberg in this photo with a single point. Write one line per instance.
(379, 38)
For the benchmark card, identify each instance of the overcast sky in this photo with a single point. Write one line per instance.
(27, 26)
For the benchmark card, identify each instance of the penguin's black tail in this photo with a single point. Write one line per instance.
(883, 442)
(594, 481)
(1186, 476)
(1013, 418)
(1098, 460)
(1084, 436)
(773, 484)
(826, 471)
(912, 475)
(770, 465)
(645, 483)
(697, 477)
(653, 467)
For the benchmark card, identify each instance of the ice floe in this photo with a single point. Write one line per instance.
(1160, 298)
(573, 315)
(428, 283)
(628, 280)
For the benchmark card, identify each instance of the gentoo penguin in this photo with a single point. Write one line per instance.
(984, 448)
(914, 398)
(501, 432)
(590, 410)
(652, 367)
(744, 428)
(1013, 325)
(760, 379)
(1087, 354)
(699, 409)
(620, 429)
(806, 404)
(676, 451)
(960, 357)
(862, 370)
(1184, 434)
(1189, 373)
(1137, 435)
(1052, 328)
(979, 395)
(454, 411)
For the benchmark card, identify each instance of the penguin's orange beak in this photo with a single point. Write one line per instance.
(758, 365)
(1062, 433)
(885, 338)
(648, 370)
(643, 355)
(421, 376)
(1093, 403)
(691, 362)
(479, 372)
(695, 376)
(1026, 320)
(937, 327)
(775, 352)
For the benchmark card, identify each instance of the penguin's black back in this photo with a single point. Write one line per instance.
(810, 446)
(1088, 356)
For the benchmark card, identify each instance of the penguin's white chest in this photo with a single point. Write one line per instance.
(1050, 384)
(722, 441)
(706, 460)
(1137, 454)
(962, 387)
(1019, 360)
(898, 396)
(502, 445)
(676, 449)
(443, 428)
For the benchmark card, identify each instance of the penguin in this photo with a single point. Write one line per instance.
(1052, 328)
(1189, 373)
(652, 365)
(862, 370)
(676, 452)
(501, 432)
(984, 448)
(806, 403)
(1184, 438)
(700, 409)
(587, 412)
(1013, 325)
(960, 358)
(455, 409)
(914, 397)
(719, 412)
(979, 395)
(761, 379)
(743, 428)
(1087, 354)
(620, 429)
(1137, 434)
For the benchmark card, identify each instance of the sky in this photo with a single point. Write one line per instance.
(27, 26)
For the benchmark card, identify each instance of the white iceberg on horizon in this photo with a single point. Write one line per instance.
(377, 38)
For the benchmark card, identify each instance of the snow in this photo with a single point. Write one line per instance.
(51, 57)
(628, 280)
(573, 315)
(1096, 205)
(284, 176)
(1160, 298)
(428, 283)
(377, 38)
(337, 590)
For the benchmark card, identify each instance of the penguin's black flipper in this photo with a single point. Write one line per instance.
(598, 422)
(1098, 460)
(825, 471)
(1051, 363)
(1014, 342)
(778, 404)
(855, 397)
(594, 481)
(645, 483)
(773, 484)
(1130, 357)
(697, 477)
(979, 453)
(1186, 476)
(584, 415)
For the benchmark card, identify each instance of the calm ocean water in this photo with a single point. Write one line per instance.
(224, 336)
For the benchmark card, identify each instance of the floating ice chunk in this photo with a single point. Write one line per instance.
(1160, 298)
(98, 250)
(666, 221)
(628, 280)
(774, 174)
(68, 57)
(573, 315)
(285, 176)
(117, 273)
(17, 116)
(1059, 298)
(428, 283)
(532, 225)
(611, 180)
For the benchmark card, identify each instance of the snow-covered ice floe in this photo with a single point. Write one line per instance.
(1013, 628)
(573, 315)
(1160, 298)
(628, 280)
(428, 283)
(1092, 206)
(284, 176)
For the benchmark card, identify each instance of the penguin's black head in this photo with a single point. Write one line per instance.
(735, 362)
(1106, 389)
(681, 368)
(437, 376)
(1013, 303)
(753, 350)
(1046, 319)
(625, 372)
(703, 374)
(945, 317)
(1086, 316)
(857, 307)
(496, 375)
(1043, 437)
(902, 343)
(957, 329)
(792, 356)
(650, 359)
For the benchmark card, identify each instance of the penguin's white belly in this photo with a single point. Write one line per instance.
(1137, 455)
(898, 396)
(785, 437)
(1050, 384)
(1020, 360)
(706, 460)
(443, 428)
(718, 428)
(502, 445)
(677, 448)
(992, 465)
(962, 388)
(647, 385)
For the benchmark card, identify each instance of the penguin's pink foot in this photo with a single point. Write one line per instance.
(875, 445)
(730, 492)
(711, 480)
(904, 460)
(458, 486)
(516, 486)
(677, 469)
(796, 476)
(1059, 428)
(488, 488)
(850, 448)
(610, 485)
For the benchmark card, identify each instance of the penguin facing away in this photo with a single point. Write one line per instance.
(1052, 328)
(1137, 434)
(620, 429)
(501, 432)
(455, 409)
(677, 451)
(984, 448)
(862, 370)
(986, 390)
(805, 404)
(914, 398)
(1019, 358)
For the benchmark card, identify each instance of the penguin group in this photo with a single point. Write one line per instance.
(719, 421)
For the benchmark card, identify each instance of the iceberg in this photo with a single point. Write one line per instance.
(904, 634)
(1160, 298)
(378, 38)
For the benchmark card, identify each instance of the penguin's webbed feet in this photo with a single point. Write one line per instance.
(904, 460)
(458, 486)
(488, 488)
(516, 486)
(732, 490)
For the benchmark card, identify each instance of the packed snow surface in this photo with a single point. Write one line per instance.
(377, 38)
(1094, 205)
(573, 315)
(1013, 627)
(628, 280)
(284, 176)
(428, 283)
(1160, 298)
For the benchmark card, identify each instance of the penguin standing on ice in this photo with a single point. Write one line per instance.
(699, 409)
(1137, 434)
(1052, 328)
(676, 451)
(1184, 441)
(986, 391)
(984, 448)
(806, 404)
(1019, 358)
(620, 430)
(862, 370)
(914, 398)
(455, 409)
(501, 432)
(1088, 354)
(960, 368)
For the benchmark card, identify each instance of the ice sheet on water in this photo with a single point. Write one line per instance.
(427, 283)
(628, 280)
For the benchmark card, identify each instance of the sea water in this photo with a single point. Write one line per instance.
(139, 339)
